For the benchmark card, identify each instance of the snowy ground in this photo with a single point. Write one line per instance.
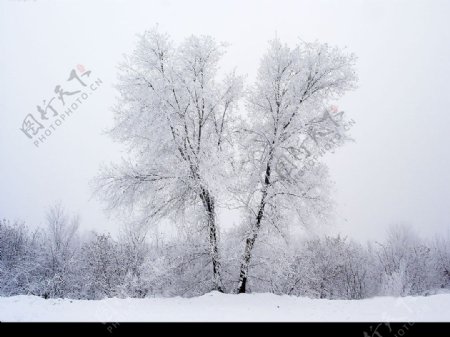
(219, 307)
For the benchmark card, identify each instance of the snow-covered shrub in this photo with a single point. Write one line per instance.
(20, 269)
(102, 268)
(405, 263)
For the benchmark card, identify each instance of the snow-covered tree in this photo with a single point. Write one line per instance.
(336, 268)
(177, 120)
(441, 260)
(20, 270)
(60, 251)
(103, 270)
(134, 251)
(406, 263)
(129, 266)
(289, 127)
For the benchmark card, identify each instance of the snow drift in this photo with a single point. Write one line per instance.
(215, 306)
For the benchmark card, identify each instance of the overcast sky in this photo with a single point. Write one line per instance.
(397, 171)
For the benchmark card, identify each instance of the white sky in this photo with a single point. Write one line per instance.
(397, 171)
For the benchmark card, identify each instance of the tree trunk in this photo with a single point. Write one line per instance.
(208, 203)
(250, 242)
